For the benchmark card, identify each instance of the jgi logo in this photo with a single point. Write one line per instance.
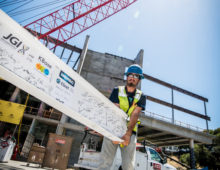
(16, 43)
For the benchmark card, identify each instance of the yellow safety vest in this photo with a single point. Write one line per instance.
(124, 103)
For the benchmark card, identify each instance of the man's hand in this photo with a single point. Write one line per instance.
(116, 142)
(126, 139)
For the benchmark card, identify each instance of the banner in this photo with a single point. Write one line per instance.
(29, 65)
(11, 112)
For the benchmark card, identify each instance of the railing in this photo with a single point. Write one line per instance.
(176, 122)
(173, 105)
(50, 114)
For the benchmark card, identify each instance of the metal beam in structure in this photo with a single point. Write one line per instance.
(175, 87)
(69, 57)
(65, 45)
(178, 108)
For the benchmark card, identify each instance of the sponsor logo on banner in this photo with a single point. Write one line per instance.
(58, 81)
(62, 84)
(67, 78)
(42, 69)
(44, 66)
(16, 43)
(42, 60)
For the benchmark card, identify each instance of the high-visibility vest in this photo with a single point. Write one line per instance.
(124, 103)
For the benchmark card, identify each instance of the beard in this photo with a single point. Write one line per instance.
(131, 83)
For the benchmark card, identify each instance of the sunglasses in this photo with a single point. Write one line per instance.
(136, 76)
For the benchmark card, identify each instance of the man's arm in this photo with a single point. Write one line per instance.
(117, 105)
(133, 120)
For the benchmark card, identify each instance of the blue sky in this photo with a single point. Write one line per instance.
(181, 42)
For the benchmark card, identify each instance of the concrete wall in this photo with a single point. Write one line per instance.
(104, 71)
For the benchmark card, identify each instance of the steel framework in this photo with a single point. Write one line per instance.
(73, 19)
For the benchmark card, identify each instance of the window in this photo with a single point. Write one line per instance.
(141, 149)
(155, 156)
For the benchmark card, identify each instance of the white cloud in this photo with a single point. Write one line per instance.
(136, 14)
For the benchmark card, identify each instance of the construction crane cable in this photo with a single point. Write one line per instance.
(2, 1)
(36, 7)
(19, 6)
(43, 12)
(46, 12)
(11, 3)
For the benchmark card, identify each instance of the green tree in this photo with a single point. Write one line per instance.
(206, 155)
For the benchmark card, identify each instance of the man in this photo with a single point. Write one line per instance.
(131, 101)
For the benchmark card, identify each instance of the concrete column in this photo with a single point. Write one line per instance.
(64, 118)
(41, 109)
(60, 127)
(28, 143)
(14, 95)
(83, 55)
(192, 156)
(139, 60)
(33, 125)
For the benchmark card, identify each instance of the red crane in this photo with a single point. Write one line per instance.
(64, 24)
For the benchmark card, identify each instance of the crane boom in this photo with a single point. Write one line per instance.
(73, 19)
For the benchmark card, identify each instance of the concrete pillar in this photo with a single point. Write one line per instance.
(192, 156)
(29, 139)
(83, 55)
(60, 127)
(139, 60)
(32, 127)
(14, 95)
(64, 118)
(41, 109)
